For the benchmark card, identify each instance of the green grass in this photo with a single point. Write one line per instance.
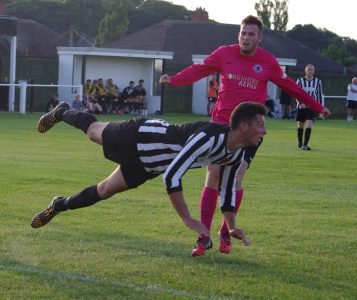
(299, 210)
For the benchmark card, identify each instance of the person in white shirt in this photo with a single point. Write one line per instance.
(351, 99)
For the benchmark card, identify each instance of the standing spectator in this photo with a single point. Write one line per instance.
(305, 116)
(351, 99)
(286, 103)
(212, 94)
(113, 93)
(245, 70)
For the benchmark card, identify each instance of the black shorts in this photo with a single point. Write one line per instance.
(351, 104)
(303, 114)
(119, 145)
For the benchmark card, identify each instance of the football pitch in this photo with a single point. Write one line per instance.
(299, 211)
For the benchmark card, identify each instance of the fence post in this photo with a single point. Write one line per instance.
(23, 89)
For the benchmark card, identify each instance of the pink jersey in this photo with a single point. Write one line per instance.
(243, 78)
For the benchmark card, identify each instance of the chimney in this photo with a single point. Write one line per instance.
(199, 15)
(2, 7)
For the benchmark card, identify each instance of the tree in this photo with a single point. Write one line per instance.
(85, 15)
(153, 11)
(114, 24)
(273, 13)
(280, 16)
(314, 38)
(264, 10)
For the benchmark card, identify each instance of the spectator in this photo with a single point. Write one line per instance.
(52, 102)
(270, 104)
(140, 98)
(91, 104)
(286, 103)
(351, 99)
(87, 87)
(212, 94)
(77, 104)
(113, 94)
(128, 97)
(102, 97)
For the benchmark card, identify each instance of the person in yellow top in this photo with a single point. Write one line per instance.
(113, 93)
(102, 97)
(87, 87)
(212, 94)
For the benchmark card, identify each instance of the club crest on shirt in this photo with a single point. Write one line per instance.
(257, 68)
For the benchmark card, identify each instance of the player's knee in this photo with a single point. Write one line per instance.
(104, 191)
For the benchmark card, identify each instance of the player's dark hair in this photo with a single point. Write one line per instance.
(253, 20)
(246, 112)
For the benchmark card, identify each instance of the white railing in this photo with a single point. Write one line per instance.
(23, 88)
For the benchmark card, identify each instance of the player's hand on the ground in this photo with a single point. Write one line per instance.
(240, 235)
(325, 112)
(165, 79)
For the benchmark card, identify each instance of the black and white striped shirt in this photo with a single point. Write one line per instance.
(173, 149)
(313, 87)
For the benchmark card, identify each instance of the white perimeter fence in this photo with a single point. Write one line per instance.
(63, 91)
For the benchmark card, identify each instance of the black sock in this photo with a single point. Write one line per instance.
(60, 111)
(307, 136)
(78, 119)
(87, 197)
(300, 133)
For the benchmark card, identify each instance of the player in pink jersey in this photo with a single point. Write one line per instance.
(245, 70)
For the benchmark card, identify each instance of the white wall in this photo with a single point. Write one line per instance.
(121, 70)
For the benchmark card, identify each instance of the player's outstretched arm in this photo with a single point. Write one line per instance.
(325, 112)
(165, 79)
(181, 208)
(237, 233)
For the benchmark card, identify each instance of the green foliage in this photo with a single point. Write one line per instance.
(264, 9)
(52, 14)
(154, 11)
(299, 210)
(339, 49)
(281, 16)
(60, 16)
(273, 13)
(114, 24)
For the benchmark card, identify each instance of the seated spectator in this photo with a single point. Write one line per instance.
(140, 98)
(77, 104)
(286, 103)
(93, 91)
(128, 97)
(52, 102)
(113, 94)
(102, 96)
(87, 86)
(91, 104)
(270, 104)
